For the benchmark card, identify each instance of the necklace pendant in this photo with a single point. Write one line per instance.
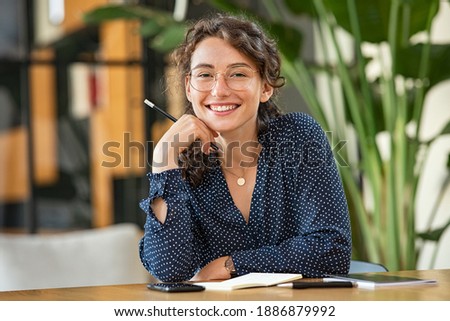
(241, 181)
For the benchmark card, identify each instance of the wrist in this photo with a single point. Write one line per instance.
(229, 266)
(164, 158)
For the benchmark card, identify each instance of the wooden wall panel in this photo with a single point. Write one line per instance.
(120, 41)
(44, 122)
(101, 175)
(74, 10)
(138, 156)
(14, 185)
(119, 117)
(119, 112)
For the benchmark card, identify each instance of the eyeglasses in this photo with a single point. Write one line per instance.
(237, 78)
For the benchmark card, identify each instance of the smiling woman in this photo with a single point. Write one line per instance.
(269, 199)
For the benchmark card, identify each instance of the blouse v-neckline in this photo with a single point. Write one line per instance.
(253, 199)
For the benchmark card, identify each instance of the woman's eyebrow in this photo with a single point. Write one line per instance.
(203, 66)
(239, 64)
(233, 65)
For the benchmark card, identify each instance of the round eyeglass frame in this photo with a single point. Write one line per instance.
(214, 83)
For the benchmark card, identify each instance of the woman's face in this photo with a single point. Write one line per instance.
(225, 109)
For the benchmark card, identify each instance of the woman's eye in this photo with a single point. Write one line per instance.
(238, 75)
(204, 75)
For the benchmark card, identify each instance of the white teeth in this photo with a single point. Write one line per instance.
(222, 108)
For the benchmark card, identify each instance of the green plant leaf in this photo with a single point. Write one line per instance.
(301, 7)
(105, 13)
(408, 59)
(233, 7)
(150, 28)
(164, 31)
(445, 130)
(289, 39)
(434, 235)
(373, 16)
(168, 39)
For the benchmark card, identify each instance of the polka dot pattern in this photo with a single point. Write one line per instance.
(298, 222)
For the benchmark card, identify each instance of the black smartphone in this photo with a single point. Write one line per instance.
(175, 287)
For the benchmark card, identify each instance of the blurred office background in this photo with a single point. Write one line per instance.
(75, 136)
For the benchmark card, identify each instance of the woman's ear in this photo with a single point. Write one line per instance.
(187, 88)
(267, 92)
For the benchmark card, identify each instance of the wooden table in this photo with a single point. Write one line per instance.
(139, 292)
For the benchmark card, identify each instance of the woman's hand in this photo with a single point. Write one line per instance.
(180, 135)
(214, 270)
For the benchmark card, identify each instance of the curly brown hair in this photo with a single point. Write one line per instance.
(248, 38)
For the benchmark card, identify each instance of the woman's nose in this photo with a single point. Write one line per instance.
(220, 86)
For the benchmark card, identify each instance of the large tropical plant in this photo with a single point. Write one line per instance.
(360, 108)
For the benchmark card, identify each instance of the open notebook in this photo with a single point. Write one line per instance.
(251, 280)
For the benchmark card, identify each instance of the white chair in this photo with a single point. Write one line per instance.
(103, 256)
(364, 267)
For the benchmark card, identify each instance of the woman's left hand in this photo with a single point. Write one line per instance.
(214, 270)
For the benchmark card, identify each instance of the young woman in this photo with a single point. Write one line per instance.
(239, 187)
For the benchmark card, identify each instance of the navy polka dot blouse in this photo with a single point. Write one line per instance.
(298, 222)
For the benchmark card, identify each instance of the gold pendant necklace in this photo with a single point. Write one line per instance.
(240, 179)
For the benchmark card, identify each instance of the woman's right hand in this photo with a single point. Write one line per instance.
(180, 135)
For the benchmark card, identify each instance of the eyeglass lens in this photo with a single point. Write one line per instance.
(236, 78)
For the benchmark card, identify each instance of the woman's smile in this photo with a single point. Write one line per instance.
(222, 108)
